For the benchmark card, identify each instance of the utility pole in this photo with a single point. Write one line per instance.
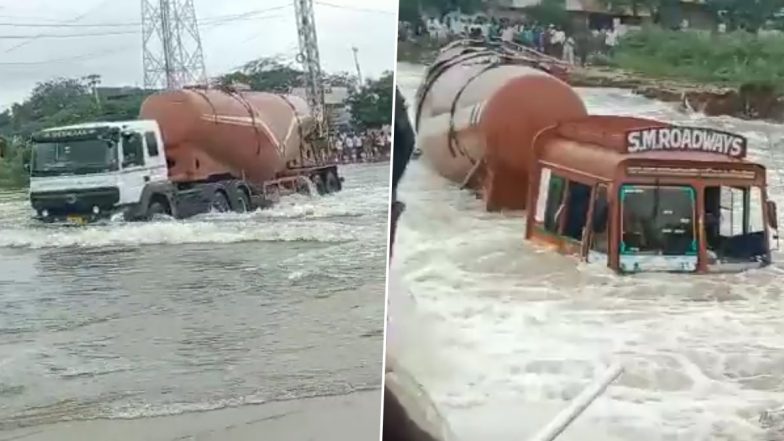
(309, 57)
(93, 80)
(356, 63)
(173, 56)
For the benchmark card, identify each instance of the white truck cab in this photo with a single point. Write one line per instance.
(88, 171)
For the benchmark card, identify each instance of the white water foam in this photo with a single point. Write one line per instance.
(173, 233)
(295, 218)
(513, 332)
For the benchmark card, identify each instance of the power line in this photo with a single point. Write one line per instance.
(205, 20)
(354, 8)
(73, 20)
(216, 23)
(208, 22)
(39, 36)
(66, 25)
(65, 59)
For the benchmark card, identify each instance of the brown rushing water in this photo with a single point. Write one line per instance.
(130, 320)
(505, 333)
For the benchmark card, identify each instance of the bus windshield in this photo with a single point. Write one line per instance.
(658, 221)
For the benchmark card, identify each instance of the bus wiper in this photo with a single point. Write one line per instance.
(656, 199)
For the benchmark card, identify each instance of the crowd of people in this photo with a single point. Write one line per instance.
(573, 47)
(368, 146)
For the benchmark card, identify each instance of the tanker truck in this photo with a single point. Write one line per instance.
(191, 151)
(633, 194)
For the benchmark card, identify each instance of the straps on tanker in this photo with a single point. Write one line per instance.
(454, 144)
(207, 99)
(471, 173)
(438, 69)
(299, 129)
(241, 99)
(473, 49)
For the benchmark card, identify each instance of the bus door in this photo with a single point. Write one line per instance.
(596, 245)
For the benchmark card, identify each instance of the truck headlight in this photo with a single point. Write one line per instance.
(45, 213)
(96, 210)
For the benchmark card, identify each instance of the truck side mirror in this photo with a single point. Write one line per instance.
(773, 217)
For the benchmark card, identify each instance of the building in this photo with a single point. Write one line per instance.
(693, 14)
(336, 101)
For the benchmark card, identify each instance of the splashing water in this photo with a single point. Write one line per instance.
(514, 332)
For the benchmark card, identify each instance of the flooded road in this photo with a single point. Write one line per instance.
(146, 319)
(503, 333)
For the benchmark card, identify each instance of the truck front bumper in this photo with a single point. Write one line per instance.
(77, 206)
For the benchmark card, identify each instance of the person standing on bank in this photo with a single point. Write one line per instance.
(568, 50)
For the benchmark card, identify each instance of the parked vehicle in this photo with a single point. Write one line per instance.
(190, 151)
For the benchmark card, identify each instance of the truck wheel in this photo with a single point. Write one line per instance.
(220, 203)
(243, 201)
(303, 188)
(319, 184)
(157, 208)
(333, 183)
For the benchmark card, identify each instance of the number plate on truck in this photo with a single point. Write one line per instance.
(77, 220)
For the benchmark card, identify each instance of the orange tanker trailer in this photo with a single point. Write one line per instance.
(190, 151)
(633, 194)
(211, 132)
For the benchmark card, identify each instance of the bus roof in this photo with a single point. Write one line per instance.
(598, 146)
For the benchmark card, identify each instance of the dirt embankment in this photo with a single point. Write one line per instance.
(749, 101)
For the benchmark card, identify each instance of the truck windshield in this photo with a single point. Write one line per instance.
(74, 157)
(658, 221)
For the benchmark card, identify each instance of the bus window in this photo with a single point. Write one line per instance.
(553, 208)
(577, 210)
(734, 224)
(601, 218)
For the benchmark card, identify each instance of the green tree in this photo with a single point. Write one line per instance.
(267, 74)
(371, 105)
(341, 79)
(550, 12)
(274, 75)
(15, 154)
(749, 15)
(55, 102)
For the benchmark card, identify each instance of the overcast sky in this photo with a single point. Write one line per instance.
(370, 25)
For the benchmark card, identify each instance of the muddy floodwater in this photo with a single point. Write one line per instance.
(507, 333)
(134, 320)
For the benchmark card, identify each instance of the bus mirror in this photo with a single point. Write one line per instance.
(773, 217)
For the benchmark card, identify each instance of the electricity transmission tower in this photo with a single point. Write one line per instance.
(309, 57)
(173, 55)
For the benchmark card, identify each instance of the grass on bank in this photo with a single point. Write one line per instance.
(724, 59)
(12, 171)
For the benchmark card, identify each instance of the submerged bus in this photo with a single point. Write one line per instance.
(641, 196)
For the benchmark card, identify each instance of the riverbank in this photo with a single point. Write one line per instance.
(756, 99)
(748, 101)
(340, 418)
